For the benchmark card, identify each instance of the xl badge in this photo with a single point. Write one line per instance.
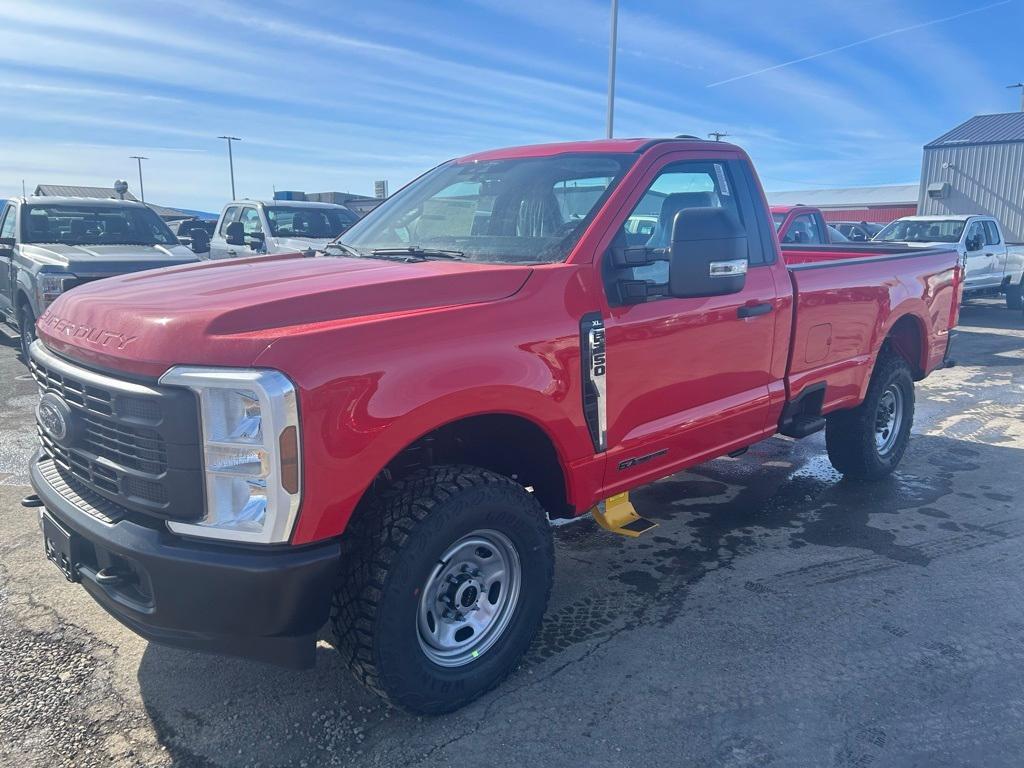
(54, 416)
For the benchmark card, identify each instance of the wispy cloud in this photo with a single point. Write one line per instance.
(856, 43)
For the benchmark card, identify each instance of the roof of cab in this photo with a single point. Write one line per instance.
(95, 202)
(605, 146)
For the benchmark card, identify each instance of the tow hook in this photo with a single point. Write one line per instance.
(110, 577)
(31, 501)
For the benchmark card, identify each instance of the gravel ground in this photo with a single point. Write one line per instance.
(779, 616)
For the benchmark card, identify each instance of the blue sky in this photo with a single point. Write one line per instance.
(333, 95)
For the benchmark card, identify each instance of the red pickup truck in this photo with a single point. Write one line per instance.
(234, 453)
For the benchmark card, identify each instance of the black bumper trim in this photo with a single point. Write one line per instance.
(260, 604)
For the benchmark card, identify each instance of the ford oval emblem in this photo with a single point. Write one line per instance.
(54, 416)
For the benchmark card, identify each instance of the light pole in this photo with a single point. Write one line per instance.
(231, 161)
(1021, 86)
(612, 46)
(142, 189)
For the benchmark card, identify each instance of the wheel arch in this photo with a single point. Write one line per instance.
(907, 337)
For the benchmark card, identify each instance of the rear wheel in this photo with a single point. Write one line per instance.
(1015, 295)
(444, 586)
(868, 442)
(26, 329)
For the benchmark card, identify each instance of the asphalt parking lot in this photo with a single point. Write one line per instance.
(777, 617)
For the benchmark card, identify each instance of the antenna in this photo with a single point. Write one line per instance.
(1021, 86)
(717, 135)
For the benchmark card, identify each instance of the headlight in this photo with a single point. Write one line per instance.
(250, 425)
(50, 285)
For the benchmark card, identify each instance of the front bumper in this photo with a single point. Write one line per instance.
(265, 604)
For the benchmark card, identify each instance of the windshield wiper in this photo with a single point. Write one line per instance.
(347, 250)
(417, 251)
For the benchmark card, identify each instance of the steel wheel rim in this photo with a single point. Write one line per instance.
(888, 419)
(468, 599)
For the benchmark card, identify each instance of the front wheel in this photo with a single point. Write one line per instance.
(867, 442)
(26, 329)
(444, 585)
(1015, 295)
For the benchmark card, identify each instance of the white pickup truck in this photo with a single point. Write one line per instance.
(992, 265)
(265, 227)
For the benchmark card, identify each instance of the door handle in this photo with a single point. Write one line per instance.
(753, 310)
(232, 252)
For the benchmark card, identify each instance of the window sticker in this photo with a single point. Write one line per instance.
(723, 186)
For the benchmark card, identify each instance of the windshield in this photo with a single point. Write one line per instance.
(519, 210)
(314, 223)
(917, 231)
(86, 224)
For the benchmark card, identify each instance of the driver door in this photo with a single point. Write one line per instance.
(7, 230)
(688, 378)
(978, 262)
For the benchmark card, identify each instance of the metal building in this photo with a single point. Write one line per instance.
(880, 204)
(978, 167)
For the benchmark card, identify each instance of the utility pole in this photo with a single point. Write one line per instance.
(612, 47)
(1021, 86)
(142, 189)
(231, 161)
(717, 135)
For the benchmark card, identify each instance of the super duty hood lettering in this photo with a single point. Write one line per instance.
(58, 326)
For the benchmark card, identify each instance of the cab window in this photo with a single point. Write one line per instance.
(804, 231)
(251, 221)
(230, 215)
(7, 226)
(991, 233)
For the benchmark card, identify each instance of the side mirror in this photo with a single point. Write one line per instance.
(709, 253)
(974, 243)
(200, 240)
(257, 241)
(235, 233)
(7, 242)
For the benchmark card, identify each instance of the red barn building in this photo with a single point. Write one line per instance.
(877, 204)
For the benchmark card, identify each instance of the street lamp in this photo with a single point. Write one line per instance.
(142, 190)
(612, 46)
(231, 161)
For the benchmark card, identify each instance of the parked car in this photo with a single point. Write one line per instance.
(49, 245)
(992, 265)
(857, 231)
(194, 234)
(378, 436)
(803, 225)
(265, 227)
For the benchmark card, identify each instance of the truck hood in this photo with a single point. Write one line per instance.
(103, 260)
(226, 313)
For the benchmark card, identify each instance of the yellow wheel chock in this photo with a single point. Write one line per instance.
(617, 514)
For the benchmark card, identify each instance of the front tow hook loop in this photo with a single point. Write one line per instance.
(109, 577)
(32, 501)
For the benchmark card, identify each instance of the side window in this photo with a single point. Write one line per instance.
(991, 233)
(230, 215)
(803, 231)
(689, 184)
(7, 225)
(251, 221)
(976, 232)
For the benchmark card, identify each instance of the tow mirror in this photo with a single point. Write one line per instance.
(200, 240)
(257, 241)
(974, 243)
(234, 234)
(709, 253)
(7, 242)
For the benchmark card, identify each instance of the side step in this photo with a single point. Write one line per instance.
(9, 330)
(802, 426)
(617, 514)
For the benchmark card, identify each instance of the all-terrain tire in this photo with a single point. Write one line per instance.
(852, 436)
(393, 547)
(1015, 295)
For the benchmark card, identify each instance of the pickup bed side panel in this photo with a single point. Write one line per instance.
(845, 310)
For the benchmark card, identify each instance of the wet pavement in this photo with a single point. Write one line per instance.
(778, 616)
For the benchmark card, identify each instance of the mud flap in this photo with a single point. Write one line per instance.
(617, 514)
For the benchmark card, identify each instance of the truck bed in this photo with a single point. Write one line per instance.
(847, 300)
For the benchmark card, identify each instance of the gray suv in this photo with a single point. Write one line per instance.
(49, 245)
